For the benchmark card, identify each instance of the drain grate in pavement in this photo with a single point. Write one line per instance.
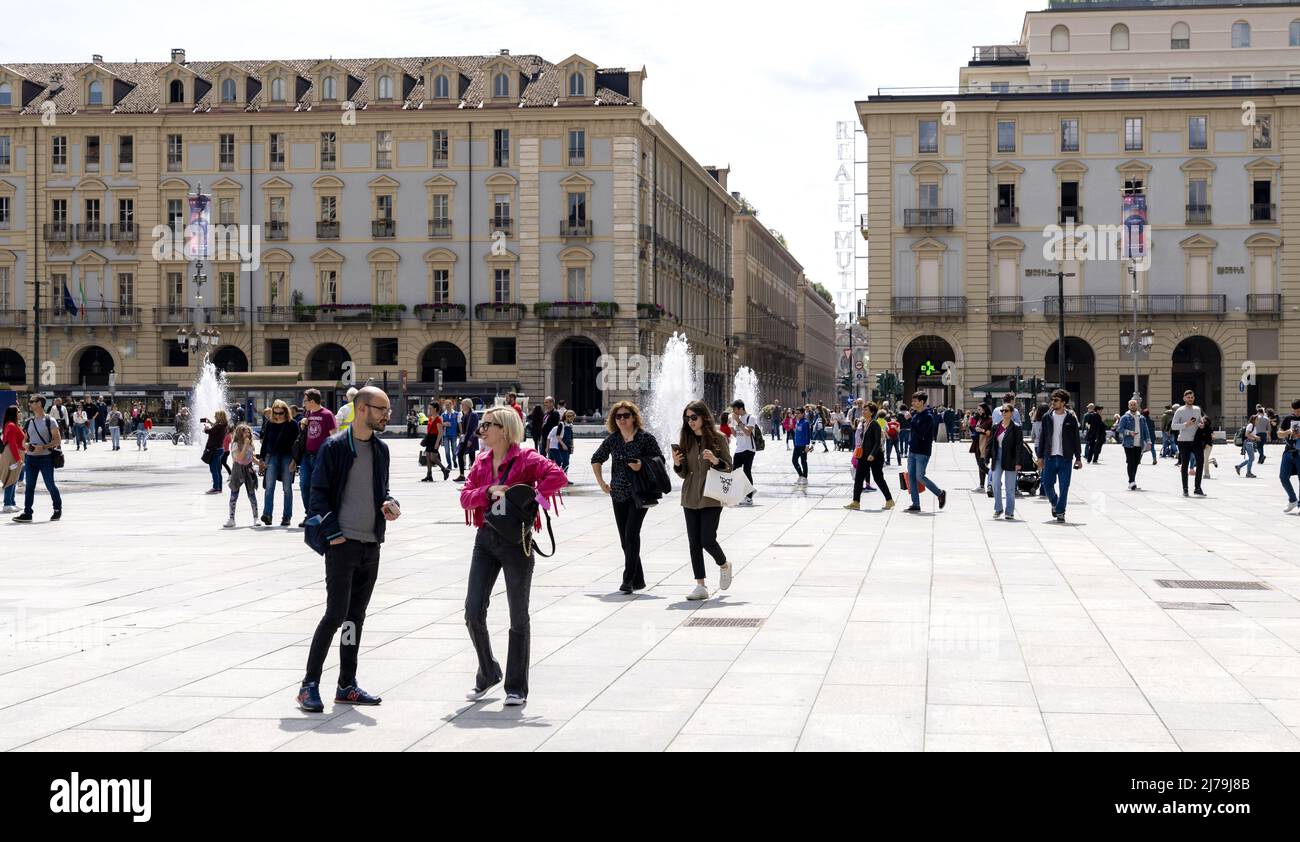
(1196, 606)
(726, 622)
(1212, 585)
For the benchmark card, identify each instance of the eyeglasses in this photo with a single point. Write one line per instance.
(622, 416)
(487, 425)
(383, 410)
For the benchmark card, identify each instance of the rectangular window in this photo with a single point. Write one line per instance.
(928, 132)
(500, 147)
(175, 291)
(501, 209)
(175, 214)
(1070, 135)
(1060, 86)
(59, 153)
(5, 220)
(177, 357)
(1197, 137)
(1119, 83)
(501, 286)
(384, 351)
(329, 286)
(1263, 134)
(1133, 187)
(1006, 136)
(577, 283)
(59, 211)
(92, 153)
(275, 288)
(441, 148)
(1197, 193)
(6, 299)
(277, 151)
(6, 152)
(577, 209)
(577, 148)
(928, 195)
(501, 351)
(277, 209)
(226, 289)
(225, 210)
(126, 292)
(227, 153)
(1132, 134)
(385, 289)
(328, 150)
(175, 152)
(329, 209)
(384, 150)
(277, 352)
(1000, 87)
(384, 207)
(441, 208)
(126, 153)
(92, 212)
(441, 286)
(126, 212)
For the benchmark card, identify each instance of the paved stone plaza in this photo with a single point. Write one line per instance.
(139, 623)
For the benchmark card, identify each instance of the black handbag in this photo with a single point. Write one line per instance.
(512, 516)
(424, 459)
(56, 457)
(207, 455)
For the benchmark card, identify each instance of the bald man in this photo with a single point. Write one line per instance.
(349, 496)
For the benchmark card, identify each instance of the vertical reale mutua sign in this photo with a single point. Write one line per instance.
(845, 290)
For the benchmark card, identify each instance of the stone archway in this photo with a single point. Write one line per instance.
(13, 368)
(326, 362)
(230, 358)
(923, 359)
(1080, 370)
(94, 365)
(446, 356)
(1197, 364)
(575, 375)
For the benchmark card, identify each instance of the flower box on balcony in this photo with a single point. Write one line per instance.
(492, 312)
(440, 312)
(575, 309)
(650, 311)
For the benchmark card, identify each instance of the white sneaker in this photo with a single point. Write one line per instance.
(699, 593)
(515, 701)
(10, 509)
(724, 576)
(1132, 486)
(230, 524)
(1290, 506)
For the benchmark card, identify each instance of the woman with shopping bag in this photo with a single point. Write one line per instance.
(701, 456)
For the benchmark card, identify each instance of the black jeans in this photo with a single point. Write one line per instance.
(745, 459)
(1185, 451)
(1094, 449)
(351, 569)
(800, 460)
(494, 555)
(983, 465)
(629, 517)
(702, 533)
(1134, 457)
(876, 469)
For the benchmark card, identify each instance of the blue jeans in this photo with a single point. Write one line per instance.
(141, 439)
(449, 450)
(1249, 462)
(893, 446)
(214, 468)
(916, 464)
(44, 466)
(1290, 465)
(905, 441)
(277, 471)
(1003, 478)
(116, 433)
(82, 434)
(1057, 469)
(11, 495)
(304, 481)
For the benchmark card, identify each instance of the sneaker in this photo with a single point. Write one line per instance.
(284, 521)
(26, 518)
(745, 503)
(460, 478)
(724, 576)
(868, 488)
(1060, 517)
(266, 519)
(354, 695)
(1009, 517)
(699, 593)
(627, 589)
(479, 692)
(1132, 486)
(889, 504)
(302, 524)
(853, 506)
(8, 510)
(1238, 469)
(230, 524)
(1185, 494)
(213, 491)
(309, 698)
(514, 700)
(943, 499)
(446, 472)
(58, 514)
(997, 515)
(1289, 507)
(1251, 476)
(912, 509)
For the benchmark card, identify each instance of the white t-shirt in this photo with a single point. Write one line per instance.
(553, 438)
(1135, 440)
(1058, 432)
(1181, 416)
(744, 443)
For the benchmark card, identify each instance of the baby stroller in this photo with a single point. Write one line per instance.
(1028, 479)
(844, 441)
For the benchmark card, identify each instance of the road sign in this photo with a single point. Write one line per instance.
(858, 365)
(861, 376)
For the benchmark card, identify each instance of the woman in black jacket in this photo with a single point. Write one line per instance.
(872, 459)
(276, 461)
(629, 444)
(1005, 443)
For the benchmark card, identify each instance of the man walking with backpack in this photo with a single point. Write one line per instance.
(924, 425)
(43, 441)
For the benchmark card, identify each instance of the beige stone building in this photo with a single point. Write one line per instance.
(816, 344)
(500, 220)
(976, 191)
(766, 307)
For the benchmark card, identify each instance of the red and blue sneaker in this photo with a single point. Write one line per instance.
(309, 697)
(354, 695)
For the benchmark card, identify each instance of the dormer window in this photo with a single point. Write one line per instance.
(441, 87)
(228, 93)
(95, 94)
(501, 85)
(277, 89)
(577, 84)
(327, 88)
(176, 92)
(6, 94)
(385, 87)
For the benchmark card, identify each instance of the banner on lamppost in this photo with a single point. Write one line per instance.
(1135, 226)
(196, 232)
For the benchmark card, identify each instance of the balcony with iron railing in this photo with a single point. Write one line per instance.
(383, 229)
(1148, 305)
(1263, 212)
(277, 229)
(443, 312)
(13, 318)
(1069, 213)
(927, 217)
(575, 228)
(1002, 306)
(1006, 215)
(123, 232)
(57, 232)
(224, 314)
(373, 313)
(501, 223)
(92, 316)
(1264, 304)
(928, 306)
(439, 229)
(327, 230)
(499, 312)
(1135, 86)
(1000, 54)
(1198, 214)
(90, 232)
(285, 314)
(575, 309)
(173, 315)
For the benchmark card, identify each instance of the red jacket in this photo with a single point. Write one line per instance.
(13, 436)
(526, 466)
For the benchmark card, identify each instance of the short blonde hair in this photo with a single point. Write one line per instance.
(279, 404)
(612, 426)
(509, 421)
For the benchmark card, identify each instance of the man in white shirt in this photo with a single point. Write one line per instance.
(1057, 443)
(744, 426)
(1187, 420)
(1262, 429)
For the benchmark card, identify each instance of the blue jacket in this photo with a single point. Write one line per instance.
(924, 424)
(333, 461)
(1126, 423)
(801, 433)
(452, 421)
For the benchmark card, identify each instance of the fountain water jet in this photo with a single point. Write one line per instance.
(745, 388)
(676, 382)
(207, 396)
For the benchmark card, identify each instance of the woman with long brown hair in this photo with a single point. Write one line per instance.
(628, 443)
(700, 448)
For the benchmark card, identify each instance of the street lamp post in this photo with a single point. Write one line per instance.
(1061, 275)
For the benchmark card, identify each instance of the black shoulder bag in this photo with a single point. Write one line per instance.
(512, 516)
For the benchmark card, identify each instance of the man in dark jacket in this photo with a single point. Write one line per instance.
(1095, 433)
(550, 420)
(924, 425)
(468, 437)
(1058, 442)
(349, 493)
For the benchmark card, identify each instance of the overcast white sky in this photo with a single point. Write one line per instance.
(756, 85)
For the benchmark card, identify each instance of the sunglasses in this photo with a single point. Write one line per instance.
(277, 412)
(692, 417)
(622, 416)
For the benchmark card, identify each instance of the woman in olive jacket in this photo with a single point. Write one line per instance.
(701, 447)
(872, 459)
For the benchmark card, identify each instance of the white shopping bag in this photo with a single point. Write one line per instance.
(727, 488)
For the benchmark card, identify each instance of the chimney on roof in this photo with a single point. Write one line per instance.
(504, 53)
(97, 58)
(178, 55)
